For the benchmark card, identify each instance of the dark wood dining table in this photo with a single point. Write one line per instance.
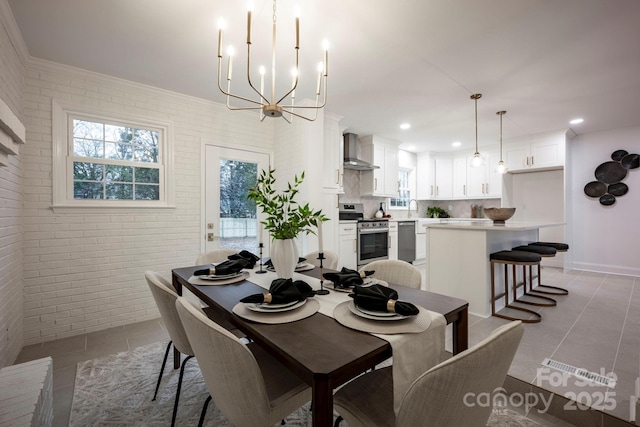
(318, 349)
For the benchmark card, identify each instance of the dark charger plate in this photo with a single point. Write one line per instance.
(618, 189)
(610, 172)
(630, 161)
(595, 189)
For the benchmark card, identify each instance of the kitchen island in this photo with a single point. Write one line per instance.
(458, 257)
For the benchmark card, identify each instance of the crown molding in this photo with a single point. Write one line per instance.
(15, 36)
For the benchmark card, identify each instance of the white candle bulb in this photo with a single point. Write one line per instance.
(320, 248)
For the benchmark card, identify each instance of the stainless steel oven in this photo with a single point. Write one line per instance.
(373, 241)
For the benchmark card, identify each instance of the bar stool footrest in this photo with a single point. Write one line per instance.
(550, 301)
(558, 291)
(536, 319)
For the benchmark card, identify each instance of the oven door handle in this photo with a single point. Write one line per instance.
(373, 230)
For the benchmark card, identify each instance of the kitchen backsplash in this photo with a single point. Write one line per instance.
(455, 208)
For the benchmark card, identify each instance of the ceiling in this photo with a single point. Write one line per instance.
(543, 61)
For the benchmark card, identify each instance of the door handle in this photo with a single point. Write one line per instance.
(210, 237)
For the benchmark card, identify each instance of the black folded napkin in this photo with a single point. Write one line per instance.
(382, 298)
(245, 255)
(269, 264)
(225, 267)
(281, 291)
(347, 278)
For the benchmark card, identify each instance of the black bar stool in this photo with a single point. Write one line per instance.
(513, 258)
(545, 249)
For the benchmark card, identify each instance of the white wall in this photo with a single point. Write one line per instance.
(11, 300)
(85, 272)
(604, 238)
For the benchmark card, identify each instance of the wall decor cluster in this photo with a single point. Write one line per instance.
(609, 176)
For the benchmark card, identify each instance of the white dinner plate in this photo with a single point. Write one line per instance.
(220, 276)
(365, 283)
(357, 312)
(261, 309)
(375, 313)
(277, 306)
(303, 266)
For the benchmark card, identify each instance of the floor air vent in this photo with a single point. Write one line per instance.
(580, 373)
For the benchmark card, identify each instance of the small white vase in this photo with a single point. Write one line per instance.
(284, 256)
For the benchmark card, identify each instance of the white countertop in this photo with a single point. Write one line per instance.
(489, 226)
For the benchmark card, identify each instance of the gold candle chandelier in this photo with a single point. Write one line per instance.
(477, 159)
(272, 106)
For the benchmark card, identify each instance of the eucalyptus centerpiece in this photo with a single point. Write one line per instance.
(285, 219)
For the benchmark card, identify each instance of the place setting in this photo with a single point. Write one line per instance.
(376, 309)
(346, 279)
(226, 272)
(286, 301)
(302, 265)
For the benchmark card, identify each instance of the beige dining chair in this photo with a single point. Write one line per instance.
(445, 396)
(215, 256)
(165, 298)
(246, 384)
(395, 272)
(330, 259)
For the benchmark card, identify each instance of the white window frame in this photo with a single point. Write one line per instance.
(63, 200)
(410, 188)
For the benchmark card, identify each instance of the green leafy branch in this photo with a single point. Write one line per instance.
(285, 218)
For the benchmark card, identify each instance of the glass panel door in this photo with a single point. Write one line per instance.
(231, 221)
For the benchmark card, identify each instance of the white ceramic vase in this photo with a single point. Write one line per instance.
(284, 256)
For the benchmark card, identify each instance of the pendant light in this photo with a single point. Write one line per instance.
(477, 159)
(502, 168)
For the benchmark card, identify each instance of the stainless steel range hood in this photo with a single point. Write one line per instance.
(351, 154)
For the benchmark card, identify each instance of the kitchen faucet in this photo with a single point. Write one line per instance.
(409, 207)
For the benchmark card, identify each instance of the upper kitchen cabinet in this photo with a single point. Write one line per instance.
(333, 155)
(537, 153)
(484, 181)
(425, 177)
(459, 177)
(444, 177)
(382, 152)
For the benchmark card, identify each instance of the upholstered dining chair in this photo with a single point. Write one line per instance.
(217, 255)
(165, 298)
(247, 385)
(330, 259)
(396, 272)
(443, 396)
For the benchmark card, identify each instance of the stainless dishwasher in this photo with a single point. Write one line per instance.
(407, 241)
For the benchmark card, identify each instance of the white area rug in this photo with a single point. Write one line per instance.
(116, 390)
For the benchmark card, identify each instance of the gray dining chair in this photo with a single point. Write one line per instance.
(396, 272)
(165, 298)
(330, 259)
(247, 385)
(437, 397)
(215, 256)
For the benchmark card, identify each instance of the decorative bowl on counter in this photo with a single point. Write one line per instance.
(499, 215)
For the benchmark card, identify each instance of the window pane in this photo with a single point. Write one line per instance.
(119, 191)
(88, 171)
(118, 151)
(119, 173)
(147, 192)
(114, 133)
(88, 148)
(88, 190)
(88, 130)
(150, 175)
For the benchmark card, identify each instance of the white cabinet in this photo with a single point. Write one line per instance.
(425, 177)
(444, 177)
(421, 241)
(333, 155)
(459, 177)
(348, 235)
(393, 240)
(382, 152)
(545, 152)
(484, 181)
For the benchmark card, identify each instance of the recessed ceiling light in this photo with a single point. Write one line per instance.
(456, 144)
(576, 121)
(405, 126)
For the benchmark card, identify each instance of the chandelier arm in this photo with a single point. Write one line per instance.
(317, 106)
(300, 115)
(229, 94)
(295, 85)
(249, 75)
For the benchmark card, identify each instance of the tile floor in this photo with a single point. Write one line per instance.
(594, 327)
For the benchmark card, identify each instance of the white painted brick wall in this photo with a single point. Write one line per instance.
(11, 301)
(85, 272)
